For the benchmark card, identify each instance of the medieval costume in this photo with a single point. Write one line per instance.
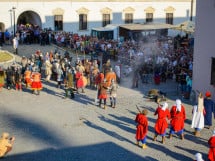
(142, 128)
(211, 143)
(102, 93)
(27, 77)
(2, 78)
(113, 92)
(48, 70)
(110, 75)
(161, 122)
(79, 81)
(18, 79)
(69, 84)
(178, 116)
(36, 83)
(209, 106)
(198, 116)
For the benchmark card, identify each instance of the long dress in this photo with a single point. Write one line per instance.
(177, 118)
(198, 118)
(211, 153)
(142, 126)
(161, 122)
(209, 109)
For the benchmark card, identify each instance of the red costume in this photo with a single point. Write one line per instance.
(102, 90)
(99, 78)
(36, 83)
(211, 153)
(79, 80)
(27, 76)
(142, 126)
(177, 118)
(161, 123)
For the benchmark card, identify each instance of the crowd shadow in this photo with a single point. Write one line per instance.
(169, 152)
(122, 125)
(108, 132)
(107, 151)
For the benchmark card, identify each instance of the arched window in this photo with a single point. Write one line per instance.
(83, 18)
(58, 19)
(149, 14)
(169, 15)
(106, 16)
(129, 11)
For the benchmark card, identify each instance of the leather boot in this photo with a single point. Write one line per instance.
(163, 139)
(144, 146)
(155, 137)
(182, 136)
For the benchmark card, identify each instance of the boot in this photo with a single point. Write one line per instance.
(111, 104)
(170, 136)
(197, 133)
(144, 146)
(182, 136)
(163, 139)
(114, 105)
(155, 137)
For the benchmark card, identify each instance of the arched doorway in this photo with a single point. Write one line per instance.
(2, 27)
(29, 17)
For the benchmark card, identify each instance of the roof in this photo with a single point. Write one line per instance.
(109, 27)
(149, 26)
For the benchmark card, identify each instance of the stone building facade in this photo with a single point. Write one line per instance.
(79, 16)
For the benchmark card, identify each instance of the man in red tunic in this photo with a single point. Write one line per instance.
(161, 123)
(211, 143)
(102, 92)
(178, 116)
(142, 128)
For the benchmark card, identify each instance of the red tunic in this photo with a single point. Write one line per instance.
(79, 80)
(177, 118)
(102, 90)
(99, 78)
(211, 153)
(36, 83)
(142, 126)
(161, 123)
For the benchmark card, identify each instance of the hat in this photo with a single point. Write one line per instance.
(178, 105)
(164, 106)
(208, 94)
(5, 135)
(198, 157)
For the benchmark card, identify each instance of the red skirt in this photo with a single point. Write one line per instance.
(36, 86)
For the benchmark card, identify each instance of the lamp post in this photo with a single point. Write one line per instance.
(191, 10)
(14, 21)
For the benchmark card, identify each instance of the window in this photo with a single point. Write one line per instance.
(213, 71)
(82, 22)
(128, 18)
(169, 18)
(149, 17)
(58, 22)
(106, 19)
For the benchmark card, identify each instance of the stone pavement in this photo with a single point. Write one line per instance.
(50, 128)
